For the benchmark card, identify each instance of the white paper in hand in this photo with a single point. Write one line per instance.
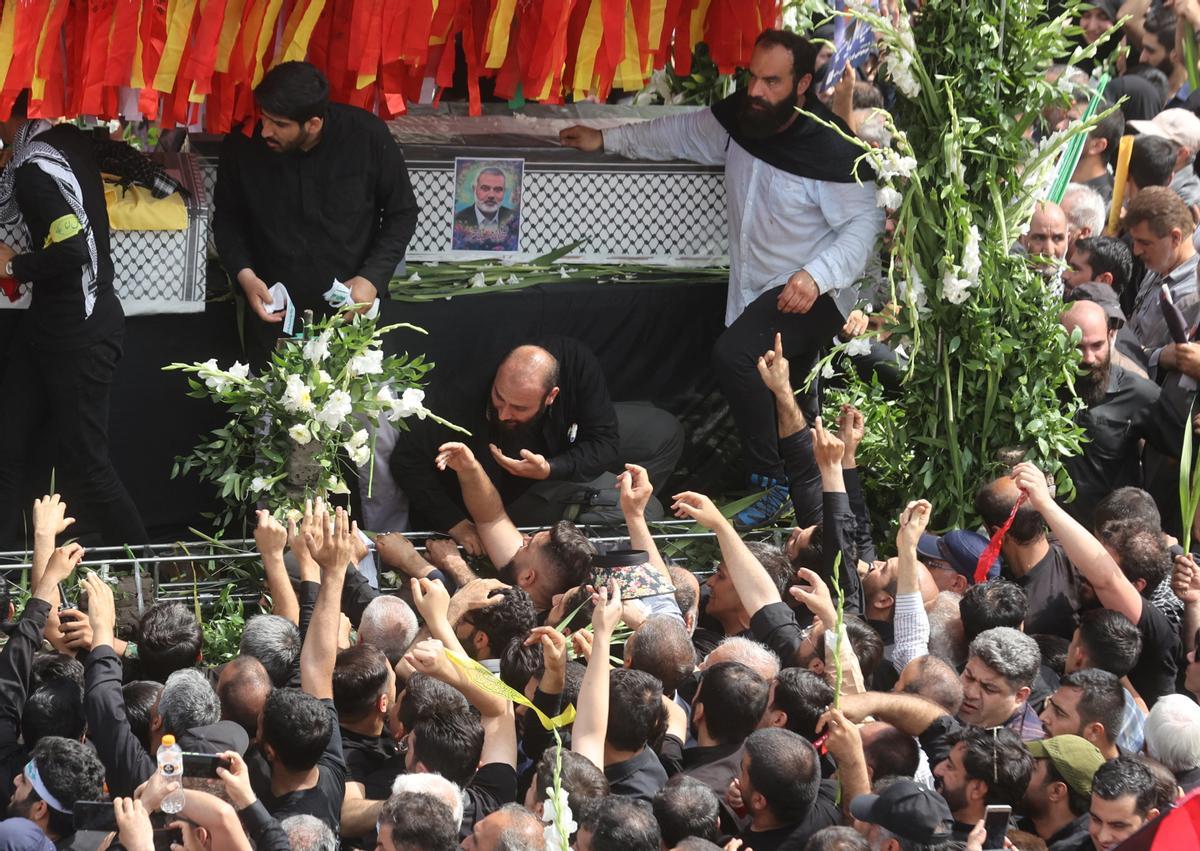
(280, 300)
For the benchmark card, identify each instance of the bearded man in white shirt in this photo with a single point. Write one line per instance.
(801, 229)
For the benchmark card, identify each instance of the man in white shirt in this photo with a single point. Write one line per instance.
(801, 231)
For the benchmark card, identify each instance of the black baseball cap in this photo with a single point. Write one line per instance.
(908, 810)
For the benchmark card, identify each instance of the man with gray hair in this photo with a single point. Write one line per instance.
(1085, 210)
(1173, 738)
(757, 657)
(1001, 666)
(389, 624)
(274, 641)
(187, 701)
(308, 833)
(510, 828)
(433, 784)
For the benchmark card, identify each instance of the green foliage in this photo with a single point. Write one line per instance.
(223, 628)
(989, 368)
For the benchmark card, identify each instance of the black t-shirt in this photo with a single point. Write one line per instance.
(794, 837)
(373, 761)
(493, 786)
(1154, 674)
(639, 777)
(1052, 587)
(325, 799)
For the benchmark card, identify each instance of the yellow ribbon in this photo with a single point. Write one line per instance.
(492, 684)
(62, 228)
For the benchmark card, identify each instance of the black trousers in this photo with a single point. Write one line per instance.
(66, 393)
(735, 359)
(650, 437)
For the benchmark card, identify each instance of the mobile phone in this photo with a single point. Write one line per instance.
(163, 839)
(995, 822)
(94, 815)
(203, 764)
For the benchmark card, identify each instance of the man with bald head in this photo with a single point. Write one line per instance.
(548, 436)
(1117, 404)
(1047, 238)
(243, 686)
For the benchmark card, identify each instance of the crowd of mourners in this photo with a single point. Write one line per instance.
(1031, 683)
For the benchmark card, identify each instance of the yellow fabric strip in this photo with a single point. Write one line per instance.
(497, 38)
(63, 228)
(492, 684)
(8, 33)
(229, 33)
(137, 79)
(135, 208)
(658, 15)
(37, 85)
(179, 24)
(297, 47)
(264, 36)
(585, 55)
(628, 75)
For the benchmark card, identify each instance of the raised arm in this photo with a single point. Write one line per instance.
(270, 538)
(908, 713)
(1113, 589)
(319, 653)
(911, 620)
(839, 522)
(500, 537)
(852, 428)
(49, 521)
(753, 584)
(636, 491)
(591, 720)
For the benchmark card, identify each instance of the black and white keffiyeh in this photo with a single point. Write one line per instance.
(26, 149)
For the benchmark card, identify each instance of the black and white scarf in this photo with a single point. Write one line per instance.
(26, 149)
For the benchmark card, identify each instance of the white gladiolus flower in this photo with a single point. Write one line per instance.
(258, 484)
(858, 347)
(414, 278)
(888, 198)
(300, 433)
(914, 290)
(955, 289)
(971, 261)
(369, 362)
(335, 411)
(889, 164)
(559, 819)
(324, 377)
(477, 280)
(240, 371)
(411, 402)
(337, 486)
(899, 61)
(828, 371)
(297, 398)
(359, 438)
(317, 350)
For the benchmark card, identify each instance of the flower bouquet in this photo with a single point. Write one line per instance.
(296, 429)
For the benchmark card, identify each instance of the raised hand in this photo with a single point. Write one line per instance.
(62, 562)
(102, 610)
(636, 490)
(852, 427)
(842, 737)
(395, 550)
(476, 594)
(690, 505)
(1185, 579)
(814, 595)
(431, 599)
(608, 609)
(1032, 483)
(50, 518)
(914, 519)
(455, 456)
(270, 537)
(554, 652)
(467, 536)
(429, 657)
(774, 370)
(529, 466)
(827, 447)
(133, 825)
(336, 549)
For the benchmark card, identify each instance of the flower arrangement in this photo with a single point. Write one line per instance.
(987, 365)
(298, 428)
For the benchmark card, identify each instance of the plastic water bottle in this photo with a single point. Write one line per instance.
(170, 764)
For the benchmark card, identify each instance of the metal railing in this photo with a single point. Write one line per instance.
(199, 570)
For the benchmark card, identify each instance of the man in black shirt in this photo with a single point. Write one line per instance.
(319, 193)
(61, 365)
(299, 732)
(1117, 404)
(547, 434)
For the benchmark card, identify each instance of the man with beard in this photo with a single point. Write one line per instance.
(801, 231)
(487, 225)
(319, 192)
(549, 438)
(1046, 241)
(1160, 227)
(1182, 127)
(1116, 405)
(59, 773)
(1060, 789)
(1158, 51)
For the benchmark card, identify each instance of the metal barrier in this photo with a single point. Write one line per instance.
(198, 571)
